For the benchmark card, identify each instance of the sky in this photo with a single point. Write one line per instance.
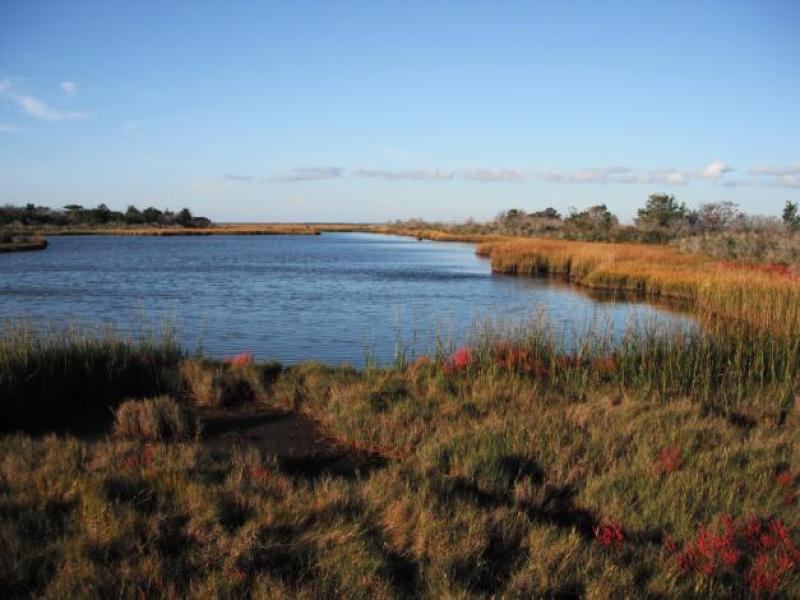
(373, 111)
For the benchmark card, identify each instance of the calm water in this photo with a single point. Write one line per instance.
(332, 297)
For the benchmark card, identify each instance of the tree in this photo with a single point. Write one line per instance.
(716, 216)
(133, 215)
(790, 216)
(151, 215)
(102, 213)
(185, 217)
(595, 218)
(547, 213)
(661, 212)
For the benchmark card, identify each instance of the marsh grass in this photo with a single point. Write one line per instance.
(226, 384)
(764, 298)
(52, 376)
(155, 419)
(516, 466)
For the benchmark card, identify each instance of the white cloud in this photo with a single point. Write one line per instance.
(490, 175)
(619, 174)
(589, 175)
(788, 176)
(789, 180)
(36, 108)
(309, 174)
(410, 175)
(775, 171)
(715, 170)
(9, 128)
(69, 87)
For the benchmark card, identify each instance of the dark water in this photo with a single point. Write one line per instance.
(333, 297)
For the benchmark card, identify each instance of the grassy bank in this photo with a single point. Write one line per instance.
(23, 245)
(765, 295)
(669, 466)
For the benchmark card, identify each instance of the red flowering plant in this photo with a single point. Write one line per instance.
(458, 362)
(756, 553)
(609, 536)
(241, 359)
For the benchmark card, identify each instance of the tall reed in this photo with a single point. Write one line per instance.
(53, 375)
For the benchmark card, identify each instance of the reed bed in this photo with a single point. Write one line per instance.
(57, 375)
(765, 296)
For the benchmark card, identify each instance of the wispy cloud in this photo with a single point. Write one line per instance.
(715, 170)
(621, 174)
(589, 175)
(410, 175)
(10, 128)
(309, 174)
(492, 175)
(69, 87)
(36, 108)
(775, 171)
(238, 178)
(785, 176)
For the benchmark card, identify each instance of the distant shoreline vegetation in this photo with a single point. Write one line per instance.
(18, 222)
(75, 215)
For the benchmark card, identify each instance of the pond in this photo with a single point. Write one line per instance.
(335, 298)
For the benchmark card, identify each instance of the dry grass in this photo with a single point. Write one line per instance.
(769, 298)
(154, 419)
(500, 487)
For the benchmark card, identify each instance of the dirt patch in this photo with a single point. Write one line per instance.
(300, 444)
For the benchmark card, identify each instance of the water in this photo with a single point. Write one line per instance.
(333, 298)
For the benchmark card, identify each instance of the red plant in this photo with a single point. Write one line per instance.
(785, 479)
(669, 460)
(462, 358)
(259, 474)
(759, 552)
(609, 535)
(243, 358)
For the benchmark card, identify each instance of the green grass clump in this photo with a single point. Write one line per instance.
(154, 419)
(50, 377)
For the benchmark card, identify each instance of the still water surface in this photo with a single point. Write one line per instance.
(333, 298)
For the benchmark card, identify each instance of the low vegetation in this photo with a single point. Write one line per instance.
(12, 243)
(767, 296)
(667, 465)
(154, 419)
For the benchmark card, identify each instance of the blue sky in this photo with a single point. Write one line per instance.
(368, 111)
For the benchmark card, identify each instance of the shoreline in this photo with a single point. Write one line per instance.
(24, 246)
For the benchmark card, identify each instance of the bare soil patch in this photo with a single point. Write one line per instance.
(299, 443)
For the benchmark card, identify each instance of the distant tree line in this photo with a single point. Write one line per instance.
(661, 219)
(77, 215)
